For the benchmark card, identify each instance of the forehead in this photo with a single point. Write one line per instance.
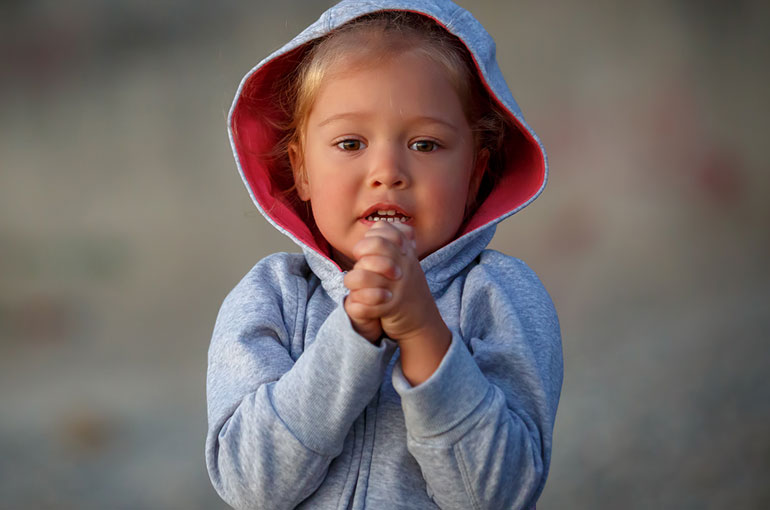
(409, 84)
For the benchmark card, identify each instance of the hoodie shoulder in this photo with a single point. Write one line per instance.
(512, 280)
(272, 272)
(503, 296)
(274, 281)
(277, 266)
(495, 262)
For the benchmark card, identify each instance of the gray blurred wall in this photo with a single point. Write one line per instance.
(123, 224)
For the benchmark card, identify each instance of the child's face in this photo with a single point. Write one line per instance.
(388, 137)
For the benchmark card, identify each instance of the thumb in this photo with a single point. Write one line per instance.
(408, 233)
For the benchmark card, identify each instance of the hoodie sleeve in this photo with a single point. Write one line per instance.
(275, 424)
(481, 426)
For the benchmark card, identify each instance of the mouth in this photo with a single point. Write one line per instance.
(386, 212)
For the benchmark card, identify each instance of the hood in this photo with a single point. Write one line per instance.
(253, 135)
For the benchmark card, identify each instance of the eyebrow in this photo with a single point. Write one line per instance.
(416, 118)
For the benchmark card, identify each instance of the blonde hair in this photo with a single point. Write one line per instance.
(380, 36)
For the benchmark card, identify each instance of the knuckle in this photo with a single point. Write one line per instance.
(350, 280)
(355, 310)
(378, 243)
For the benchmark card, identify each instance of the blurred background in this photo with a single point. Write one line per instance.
(124, 223)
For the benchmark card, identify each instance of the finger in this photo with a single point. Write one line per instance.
(408, 233)
(370, 296)
(399, 233)
(361, 279)
(380, 264)
(384, 229)
(380, 245)
(405, 229)
(362, 312)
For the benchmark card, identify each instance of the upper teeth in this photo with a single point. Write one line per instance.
(391, 213)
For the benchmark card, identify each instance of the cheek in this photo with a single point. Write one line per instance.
(446, 201)
(335, 186)
(451, 187)
(326, 216)
(332, 200)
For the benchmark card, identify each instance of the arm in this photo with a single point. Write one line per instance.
(481, 426)
(275, 424)
(479, 411)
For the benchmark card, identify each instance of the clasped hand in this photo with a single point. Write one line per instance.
(388, 292)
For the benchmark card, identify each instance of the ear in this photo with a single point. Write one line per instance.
(298, 170)
(479, 169)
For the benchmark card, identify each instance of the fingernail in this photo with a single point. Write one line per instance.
(388, 295)
(397, 272)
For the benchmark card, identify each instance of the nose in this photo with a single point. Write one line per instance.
(387, 169)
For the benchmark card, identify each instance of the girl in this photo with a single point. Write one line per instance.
(396, 362)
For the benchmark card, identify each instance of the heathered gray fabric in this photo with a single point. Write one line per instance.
(305, 413)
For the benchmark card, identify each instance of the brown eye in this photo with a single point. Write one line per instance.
(424, 146)
(350, 145)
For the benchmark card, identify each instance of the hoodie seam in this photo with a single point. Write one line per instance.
(296, 310)
(450, 24)
(466, 478)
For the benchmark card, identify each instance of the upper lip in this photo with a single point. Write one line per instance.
(384, 206)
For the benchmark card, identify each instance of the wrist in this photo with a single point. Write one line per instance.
(423, 351)
(434, 332)
(370, 329)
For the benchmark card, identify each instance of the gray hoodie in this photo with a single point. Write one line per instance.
(304, 412)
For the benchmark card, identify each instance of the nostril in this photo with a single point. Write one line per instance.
(388, 183)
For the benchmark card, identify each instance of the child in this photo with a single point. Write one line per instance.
(396, 363)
